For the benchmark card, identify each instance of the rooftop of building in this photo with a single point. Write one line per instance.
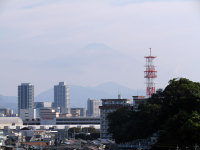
(36, 143)
(11, 120)
(62, 83)
(116, 99)
(139, 97)
(25, 83)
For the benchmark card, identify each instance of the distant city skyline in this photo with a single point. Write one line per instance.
(91, 42)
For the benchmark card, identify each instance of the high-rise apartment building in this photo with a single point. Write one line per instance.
(62, 97)
(93, 108)
(25, 96)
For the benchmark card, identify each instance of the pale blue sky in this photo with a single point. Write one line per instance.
(89, 42)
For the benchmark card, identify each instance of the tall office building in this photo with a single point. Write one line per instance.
(93, 108)
(25, 96)
(61, 97)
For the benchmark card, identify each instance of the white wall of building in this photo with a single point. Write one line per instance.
(93, 108)
(28, 114)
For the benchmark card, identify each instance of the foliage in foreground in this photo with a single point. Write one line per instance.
(176, 111)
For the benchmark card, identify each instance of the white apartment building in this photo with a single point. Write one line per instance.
(108, 106)
(93, 108)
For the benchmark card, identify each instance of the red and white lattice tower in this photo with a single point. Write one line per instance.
(150, 74)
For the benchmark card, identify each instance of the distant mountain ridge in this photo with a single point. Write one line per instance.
(8, 102)
(79, 94)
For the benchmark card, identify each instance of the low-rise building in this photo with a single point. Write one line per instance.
(6, 112)
(137, 100)
(39, 105)
(75, 112)
(78, 121)
(65, 115)
(82, 112)
(48, 116)
(10, 121)
(28, 114)
(78, 112)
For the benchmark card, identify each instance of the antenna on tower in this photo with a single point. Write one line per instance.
(150, 51)
(150, 74)
(119, 94)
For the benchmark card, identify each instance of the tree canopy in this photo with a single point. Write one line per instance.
(174, 110)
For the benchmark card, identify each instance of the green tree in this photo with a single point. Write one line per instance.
(126, 125)
(89, 130)
(182, 94)
(118, 124)
(73, 131)
(175, 110)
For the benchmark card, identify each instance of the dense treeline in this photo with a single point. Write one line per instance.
(86, 133)
(174, 110)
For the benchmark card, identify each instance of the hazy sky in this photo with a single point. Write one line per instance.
(89, 42)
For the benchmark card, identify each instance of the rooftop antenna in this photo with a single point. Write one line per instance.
(119, 94)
